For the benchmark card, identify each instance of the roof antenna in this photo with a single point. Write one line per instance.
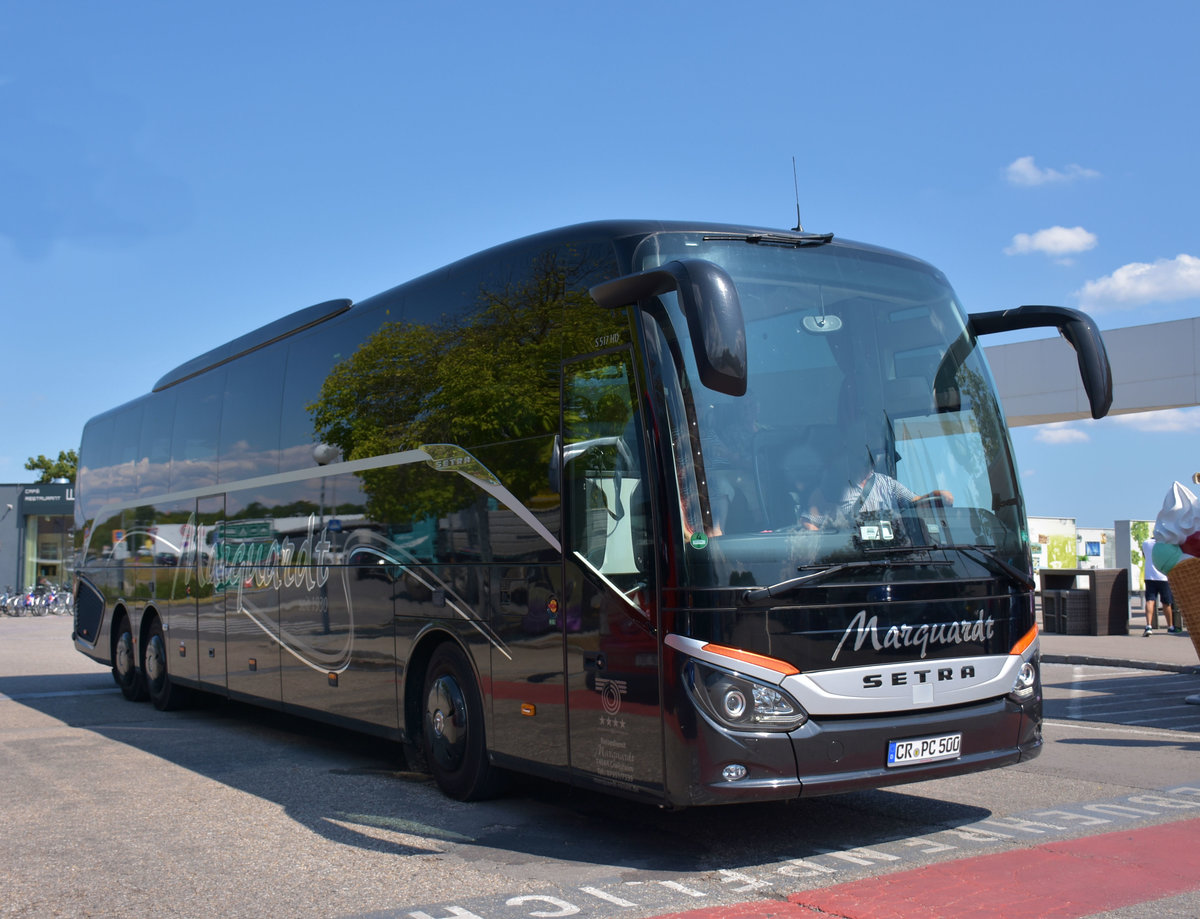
(799, 227)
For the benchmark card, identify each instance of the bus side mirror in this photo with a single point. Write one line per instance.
(710, 303)
(1077, 328)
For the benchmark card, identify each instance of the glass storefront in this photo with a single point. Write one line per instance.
(47, 555)
(46, 533)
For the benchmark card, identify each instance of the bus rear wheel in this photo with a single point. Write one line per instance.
(125, 671)
(452, 733)
(163, 692)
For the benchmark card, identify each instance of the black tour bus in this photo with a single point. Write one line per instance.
(691, 513)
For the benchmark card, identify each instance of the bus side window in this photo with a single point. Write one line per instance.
(195, 432)
(154, 444)
(249, 434)
(95, 468)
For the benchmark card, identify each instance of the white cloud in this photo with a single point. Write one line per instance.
(1053, 241)
(1138, 283)
(1060, 432)
(1024, 171)
(1168, 421)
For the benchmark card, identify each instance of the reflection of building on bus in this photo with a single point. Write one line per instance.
(567, 507)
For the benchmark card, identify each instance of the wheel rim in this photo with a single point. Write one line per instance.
(156, 661)
(446, 722)
(125, 657)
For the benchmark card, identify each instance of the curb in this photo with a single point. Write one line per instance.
(1118, 662)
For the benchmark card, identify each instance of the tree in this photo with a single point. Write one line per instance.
(1139, 532)
(61, 468)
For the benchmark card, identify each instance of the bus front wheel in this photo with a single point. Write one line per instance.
(453, 728)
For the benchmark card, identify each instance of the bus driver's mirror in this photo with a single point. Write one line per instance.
(710, 303)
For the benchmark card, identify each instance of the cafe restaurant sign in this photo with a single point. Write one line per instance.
(52, 499)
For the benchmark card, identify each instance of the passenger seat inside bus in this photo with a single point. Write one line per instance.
(803, 477)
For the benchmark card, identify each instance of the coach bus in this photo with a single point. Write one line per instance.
(690, 513)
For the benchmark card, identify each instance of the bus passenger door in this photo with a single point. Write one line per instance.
(173, 572)
(611, 645)
(251, 606)
(210, 597)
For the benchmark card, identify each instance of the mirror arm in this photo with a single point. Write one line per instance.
(1077, 328)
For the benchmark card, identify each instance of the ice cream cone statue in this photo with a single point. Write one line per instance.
(1177, 554)
(1185, 585)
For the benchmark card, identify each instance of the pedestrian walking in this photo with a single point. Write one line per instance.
(1158, 590)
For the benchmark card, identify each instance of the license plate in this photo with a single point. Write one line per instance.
(924, 750)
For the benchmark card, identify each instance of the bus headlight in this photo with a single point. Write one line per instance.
(742, 703)
(1026, 682)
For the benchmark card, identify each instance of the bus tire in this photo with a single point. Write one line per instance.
(125, 670)
(452, 728)
(162, 690)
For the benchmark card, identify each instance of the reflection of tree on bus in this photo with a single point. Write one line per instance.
(479, 379)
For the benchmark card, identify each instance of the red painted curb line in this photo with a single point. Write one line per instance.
(1067, 879)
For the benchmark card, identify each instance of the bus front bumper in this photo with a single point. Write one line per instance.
(832, 756)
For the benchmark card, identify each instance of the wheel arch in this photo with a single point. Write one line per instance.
(412, 714)
(120, 610)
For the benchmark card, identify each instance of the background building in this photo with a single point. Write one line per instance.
(9, 496)
(37, 532)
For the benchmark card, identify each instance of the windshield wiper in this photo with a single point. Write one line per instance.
(794, 240)
(993, 562)
(988, 559)
(759, 594)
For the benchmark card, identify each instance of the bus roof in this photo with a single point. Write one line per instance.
(614, 230)
(252, 341)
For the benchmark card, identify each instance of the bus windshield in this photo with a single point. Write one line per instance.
(870, 426)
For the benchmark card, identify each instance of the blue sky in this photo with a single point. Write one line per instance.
(175, 174)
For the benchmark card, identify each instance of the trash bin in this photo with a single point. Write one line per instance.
(1111, 597)
(1078, 612)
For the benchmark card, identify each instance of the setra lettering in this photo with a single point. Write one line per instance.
(907, 677)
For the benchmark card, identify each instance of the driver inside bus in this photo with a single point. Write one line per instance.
(869, 490)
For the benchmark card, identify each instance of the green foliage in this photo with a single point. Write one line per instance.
(1139, 532)
(61, 468)
(476, 381)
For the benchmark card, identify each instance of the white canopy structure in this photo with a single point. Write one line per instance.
(1154, 367)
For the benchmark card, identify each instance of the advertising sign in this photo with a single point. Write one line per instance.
(51, 499)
